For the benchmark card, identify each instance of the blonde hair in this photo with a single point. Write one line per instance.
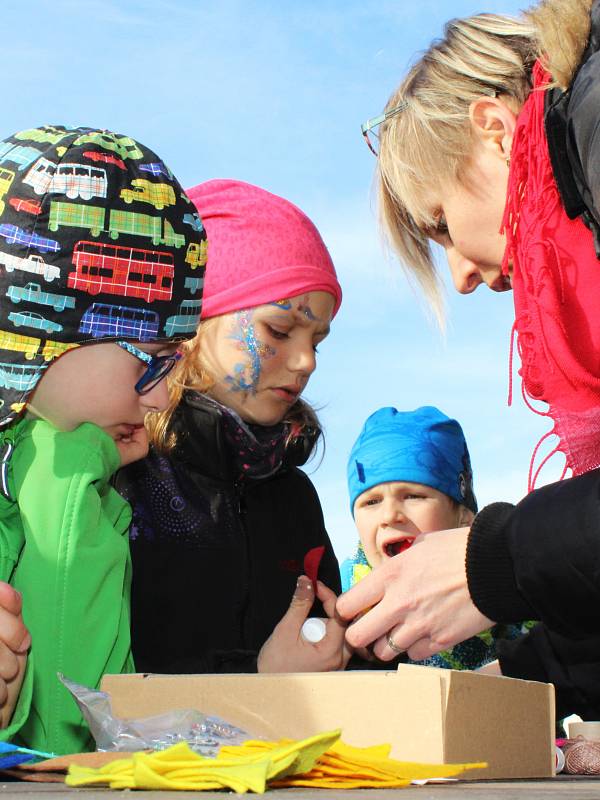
(429, 142)
(191, 374)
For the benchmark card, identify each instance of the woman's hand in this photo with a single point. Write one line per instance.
(15, 641)
(419, 600)
(286, 651)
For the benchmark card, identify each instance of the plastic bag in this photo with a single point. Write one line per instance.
(203, 734)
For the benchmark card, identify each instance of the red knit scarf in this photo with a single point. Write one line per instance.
(556, 284)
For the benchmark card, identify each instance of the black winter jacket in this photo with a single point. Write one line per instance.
(541, 558)
(215, 557)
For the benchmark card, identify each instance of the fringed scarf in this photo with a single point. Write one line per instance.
(556, 285)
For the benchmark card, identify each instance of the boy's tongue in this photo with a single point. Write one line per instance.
(394, 548)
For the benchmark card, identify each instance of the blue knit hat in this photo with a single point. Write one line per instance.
(421, 446)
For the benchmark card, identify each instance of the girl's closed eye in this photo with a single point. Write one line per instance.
(275, 332)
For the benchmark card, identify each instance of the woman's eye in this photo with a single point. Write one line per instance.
(441, 226)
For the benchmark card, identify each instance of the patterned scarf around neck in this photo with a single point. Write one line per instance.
(257, 450)
(556, 285)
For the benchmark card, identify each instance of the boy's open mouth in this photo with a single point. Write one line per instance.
(399, 546)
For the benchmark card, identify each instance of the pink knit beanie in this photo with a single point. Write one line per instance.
(261, 248)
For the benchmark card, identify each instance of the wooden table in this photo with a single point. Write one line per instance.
(563, 786)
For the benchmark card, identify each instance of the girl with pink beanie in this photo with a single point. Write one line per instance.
(225, 524)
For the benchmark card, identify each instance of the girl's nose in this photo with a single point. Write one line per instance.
(303, 359)
(157, 399)
(465, 274)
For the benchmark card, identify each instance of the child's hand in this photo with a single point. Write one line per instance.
(286, 651)
(15, 641)
(133, 445)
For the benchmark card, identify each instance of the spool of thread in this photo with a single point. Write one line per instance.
(589, 730)
(559, 760)
(313, 630)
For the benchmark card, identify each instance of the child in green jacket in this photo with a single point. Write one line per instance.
(99, 253)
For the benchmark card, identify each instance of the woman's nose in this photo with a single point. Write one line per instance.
(465, 274)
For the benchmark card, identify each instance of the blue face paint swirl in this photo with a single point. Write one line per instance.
(246, 376)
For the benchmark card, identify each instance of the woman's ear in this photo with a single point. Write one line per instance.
(493, 124)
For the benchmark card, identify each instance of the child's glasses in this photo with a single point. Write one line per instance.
(157, 369)
(369, 129)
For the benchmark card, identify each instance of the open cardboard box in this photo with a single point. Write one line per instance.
(426, 714)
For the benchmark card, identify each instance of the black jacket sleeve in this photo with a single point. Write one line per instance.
(541, 558)
(573, 666)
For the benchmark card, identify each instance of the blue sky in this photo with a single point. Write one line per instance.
(274, 93)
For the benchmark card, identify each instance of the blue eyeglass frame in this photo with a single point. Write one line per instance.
(158, 367)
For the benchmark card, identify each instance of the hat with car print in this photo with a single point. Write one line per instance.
(98, 241)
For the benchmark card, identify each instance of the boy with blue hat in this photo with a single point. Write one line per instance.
(409, 472)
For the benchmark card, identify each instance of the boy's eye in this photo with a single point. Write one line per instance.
(415, 497)
(372, 501)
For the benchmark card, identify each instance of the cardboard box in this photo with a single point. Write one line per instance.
(426, 714)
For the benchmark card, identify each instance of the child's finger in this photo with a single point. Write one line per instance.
(300, 605)
(328, 599)
(10, 599)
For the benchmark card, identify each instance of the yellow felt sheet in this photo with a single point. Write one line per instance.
(320, 761)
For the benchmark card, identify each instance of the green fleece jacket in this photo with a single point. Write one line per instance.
(64, 545)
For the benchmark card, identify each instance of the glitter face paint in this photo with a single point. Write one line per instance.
(285, 304)
(304, 308)
(246, 375)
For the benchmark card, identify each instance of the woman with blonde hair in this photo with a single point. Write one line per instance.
(490, 148)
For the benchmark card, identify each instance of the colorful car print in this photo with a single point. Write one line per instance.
(28, 345)
(124, 146)
(195, 221)
(193, 284)
(32, 320)
(18, 154)
(156, 168)
(158, 195)
(197, 254)
(186, 320)
(76, 215)
(7, 176)
(33, 263)
(15, 235)
(102, 319)
(106, 158)
(47, 133)
(22, 377)
(33, 293)
(70, 178)
(27, 206)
